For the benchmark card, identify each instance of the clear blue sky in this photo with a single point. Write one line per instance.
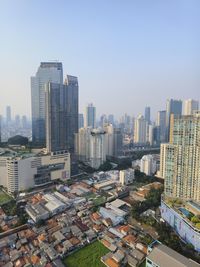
(126, 54)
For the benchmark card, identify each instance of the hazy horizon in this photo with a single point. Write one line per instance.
(126, 55)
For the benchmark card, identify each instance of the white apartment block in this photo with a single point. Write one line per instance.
(126, 176)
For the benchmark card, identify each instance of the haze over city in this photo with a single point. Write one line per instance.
(126, 56)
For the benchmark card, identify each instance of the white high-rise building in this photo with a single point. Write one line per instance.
(190, 106)
(148, 165)
(109, 139)
(90, 116)
(140, 130)
(83, 144)
(97, 148)
(47, 72)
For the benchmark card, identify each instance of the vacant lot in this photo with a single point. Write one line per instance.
(4, 198)
(87, 256)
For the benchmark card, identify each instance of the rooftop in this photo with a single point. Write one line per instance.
(165, 257)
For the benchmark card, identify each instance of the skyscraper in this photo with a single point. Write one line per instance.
(173, 107)
(55, 117)
(140, 130)
(8, 115)
(80, 120)
(190, 106)
(97, 148)
(111, 118)
(90, 116)
(147, 114)
(72, 103)
(47, 72)
(61, 114)
(180, 158)
(161, 124)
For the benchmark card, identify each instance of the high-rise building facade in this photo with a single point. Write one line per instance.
(190, 106)
(56, 138)
(180, 158)
(90, 116)
(161, 124)
(72, 103)
(97, 148)
(61, 115)
(140, 130)
(111, 119)
(47, 72)
(147, 114)
(173, 107)
(80, 120)
(8, 115)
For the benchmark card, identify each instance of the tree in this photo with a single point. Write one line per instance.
(18, 140)
(195, 219)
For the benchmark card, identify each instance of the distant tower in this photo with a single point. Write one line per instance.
(190, 106)
(147, 114)
(17, 121)
(140, 130)
(111, 118)
(161, 123)
(90, 116)
(173, 107)
(8, 115)
(24, 122)
(47, 72)
(80, 120)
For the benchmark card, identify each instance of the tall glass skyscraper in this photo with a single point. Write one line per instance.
(147, 114)
(173, 107)
(61, 114)
(90, 116)
(47, 72)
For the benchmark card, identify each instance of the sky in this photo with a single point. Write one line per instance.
(127, 54)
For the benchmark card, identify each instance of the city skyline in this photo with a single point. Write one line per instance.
(153, 45)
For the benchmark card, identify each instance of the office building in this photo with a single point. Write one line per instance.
(90, 116)
(161, 124)
(80, 120)
(61, 103)
(140, 130)
(17, 121)
(21, 171)
(118, 142)
(24, 122)
(8, 115)
(180, 158)
(72, 102)
(147, 114)
(190, 106)
(173, 107)
(47, 72)
(111, 119)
